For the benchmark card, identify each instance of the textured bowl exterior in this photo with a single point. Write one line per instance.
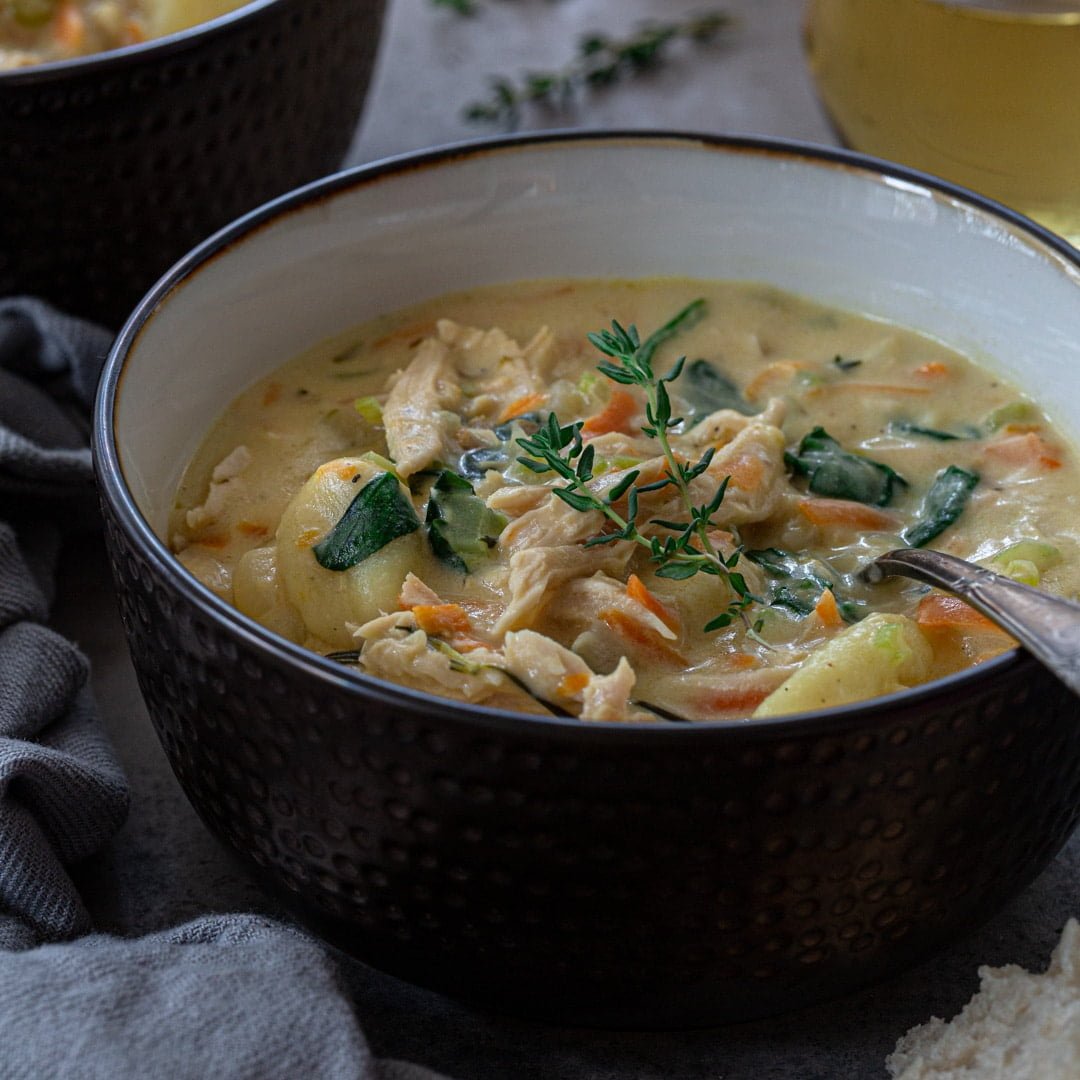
(622, 875)
(591, 875)
(116, 165)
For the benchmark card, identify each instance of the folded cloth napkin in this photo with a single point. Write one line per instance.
(227, 996)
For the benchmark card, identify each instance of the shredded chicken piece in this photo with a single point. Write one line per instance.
(754, 459)
(720, 427)
(587, 598)
(226, 472)
(412, 662)
(417, 416)
(551, 524)
(414, 591)
(536, 575)
(616, 444)
(384, 625)
(509, 371)
(554, 673)
(517, 499)
(541, 663)
(607, 697)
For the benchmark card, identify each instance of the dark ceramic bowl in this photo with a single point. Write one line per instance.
(634, 875)
(115, 165)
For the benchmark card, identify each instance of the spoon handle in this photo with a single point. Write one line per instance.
(1047, 626)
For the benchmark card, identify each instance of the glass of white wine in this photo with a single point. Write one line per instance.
(985, 93)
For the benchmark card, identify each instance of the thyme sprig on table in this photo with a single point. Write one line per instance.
(560, 449)
(462, 7)
(601, 61)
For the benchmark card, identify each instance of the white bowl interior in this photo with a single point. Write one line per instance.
(615, 207)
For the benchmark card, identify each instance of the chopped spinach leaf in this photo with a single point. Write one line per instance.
(906, 427)
(944, 503)
(461, 527)
(707, 389)
(786, 597)
(837, 473)
(797, 585)
(380, 513)
(529, 423)
(475, 464)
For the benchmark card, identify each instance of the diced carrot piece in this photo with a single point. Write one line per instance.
(932, 369)
(776, 372)
(742, 699)
(853, 515)
(1029, 449)
(69, 28)
(522, 405)
(621, 408)
(741, 661)
(272, 393)
(642, 636)
(573, 684)
(442, 620)
(636, 590)
(853, 387)
(308, 538)
(827, 610)
(938, 611)
(746, 472)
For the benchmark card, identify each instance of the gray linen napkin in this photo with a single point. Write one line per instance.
(226, 996)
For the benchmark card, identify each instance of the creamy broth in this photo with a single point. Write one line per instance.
(841, 438)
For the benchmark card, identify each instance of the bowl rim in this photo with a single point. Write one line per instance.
(113, 488)
(130, 55)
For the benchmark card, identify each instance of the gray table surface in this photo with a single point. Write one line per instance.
(163, 868)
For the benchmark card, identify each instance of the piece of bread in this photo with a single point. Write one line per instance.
(1019, 1026)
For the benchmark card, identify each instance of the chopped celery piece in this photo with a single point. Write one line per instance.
(615, 464)
(380, 462)
(1015, 412)
(1026, 561)
(890, 640)
(1043, 555)
(461, 527)
(370, 409)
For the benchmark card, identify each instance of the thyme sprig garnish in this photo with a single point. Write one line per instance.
(600, 62)
(560, 449)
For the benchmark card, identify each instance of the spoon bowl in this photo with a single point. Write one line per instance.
(1047, 626)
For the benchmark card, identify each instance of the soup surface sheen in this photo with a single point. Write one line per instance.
(369, 500)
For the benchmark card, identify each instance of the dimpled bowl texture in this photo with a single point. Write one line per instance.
(624, 875)
(116, 164)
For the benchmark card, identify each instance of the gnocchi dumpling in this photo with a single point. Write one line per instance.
(880, 655)
(333, 602)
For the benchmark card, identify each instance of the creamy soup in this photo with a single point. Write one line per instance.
(38, 31)
(510, 496)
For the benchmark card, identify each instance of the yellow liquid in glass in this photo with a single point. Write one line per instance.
(984, 94)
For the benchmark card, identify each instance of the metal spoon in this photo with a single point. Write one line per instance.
(1047, 626)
